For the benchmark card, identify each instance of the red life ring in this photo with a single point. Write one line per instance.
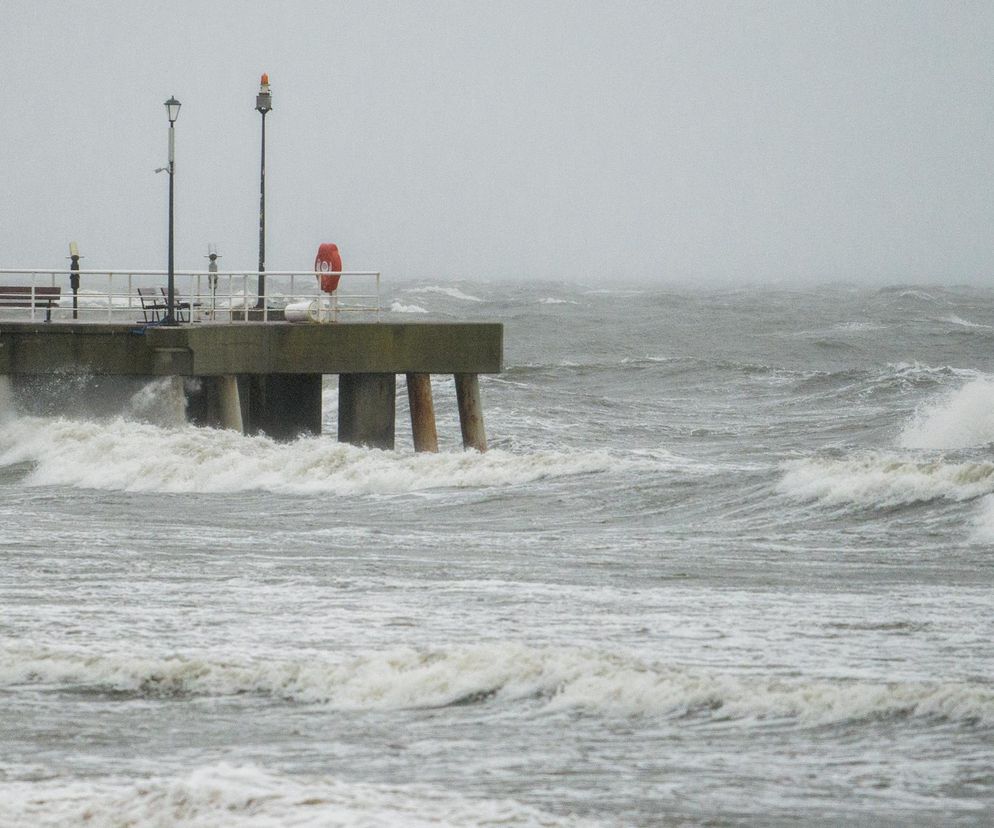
(328, 264)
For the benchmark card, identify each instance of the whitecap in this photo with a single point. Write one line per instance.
(451, 292)
(399, 307)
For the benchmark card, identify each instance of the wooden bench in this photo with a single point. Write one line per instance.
(25, 296)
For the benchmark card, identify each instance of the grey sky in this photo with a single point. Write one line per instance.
(716, 142)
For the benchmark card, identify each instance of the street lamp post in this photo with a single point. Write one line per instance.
(172, 109)
(263, 104)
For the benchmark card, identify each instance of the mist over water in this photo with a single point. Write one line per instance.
(728, 562)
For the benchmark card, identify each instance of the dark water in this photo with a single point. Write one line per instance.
(728, 562)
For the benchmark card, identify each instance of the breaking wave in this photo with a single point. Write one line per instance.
(250, 796)
(118, 455)
(882, 480)
(556, 678)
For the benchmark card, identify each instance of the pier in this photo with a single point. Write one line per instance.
(266, 376)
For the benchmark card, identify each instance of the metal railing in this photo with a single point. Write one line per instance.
(112, 296)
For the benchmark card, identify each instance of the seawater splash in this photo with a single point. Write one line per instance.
(960, 419)
(253, 797)
(159, 401)
(506, 673)
(115, 455)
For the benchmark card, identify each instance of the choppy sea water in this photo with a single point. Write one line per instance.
(727, 562)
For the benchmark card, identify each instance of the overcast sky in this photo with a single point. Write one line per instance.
(713, 142)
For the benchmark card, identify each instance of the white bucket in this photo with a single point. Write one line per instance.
(302, 312)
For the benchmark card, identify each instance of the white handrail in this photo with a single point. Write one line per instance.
(115, 301)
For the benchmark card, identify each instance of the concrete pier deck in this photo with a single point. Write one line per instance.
(251, 348)
(266, 377)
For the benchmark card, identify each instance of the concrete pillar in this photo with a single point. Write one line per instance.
(367, 409)
(6, 396)
(214, 402)
(229, 403)
(281, 406)
(470, 412)
(422, 412)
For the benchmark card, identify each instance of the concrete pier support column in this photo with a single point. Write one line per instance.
(6, 396)
(214, 402)
(229, 403)
(367, 409)
(281, 406)
(470, 412)
(422, 412)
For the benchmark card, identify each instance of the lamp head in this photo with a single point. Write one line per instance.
(172, 109)
(264, 100)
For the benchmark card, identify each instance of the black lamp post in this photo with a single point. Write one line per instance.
(263, 104)
(172, 109)
(74, 258)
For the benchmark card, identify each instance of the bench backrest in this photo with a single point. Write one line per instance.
(149, 296)
(19, 296)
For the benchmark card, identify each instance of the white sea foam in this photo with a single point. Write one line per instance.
(117, 455)
(503, 673)
(223, 795)
(955, 320)
(919, 295)
(399, 307)
(883, 480)
(451, 292)
(959, 419)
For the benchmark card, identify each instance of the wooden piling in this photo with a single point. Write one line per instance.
(422, 412)
(470, 412)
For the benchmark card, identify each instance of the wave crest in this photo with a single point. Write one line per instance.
(881, 481)
(559, 677)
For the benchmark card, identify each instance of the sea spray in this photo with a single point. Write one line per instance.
(958, 419)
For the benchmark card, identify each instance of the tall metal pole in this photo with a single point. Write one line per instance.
(171, 289)
(262, 219)
(74, 277)
(172, 110)
(263, 104)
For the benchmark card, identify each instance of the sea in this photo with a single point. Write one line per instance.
(727, 561)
